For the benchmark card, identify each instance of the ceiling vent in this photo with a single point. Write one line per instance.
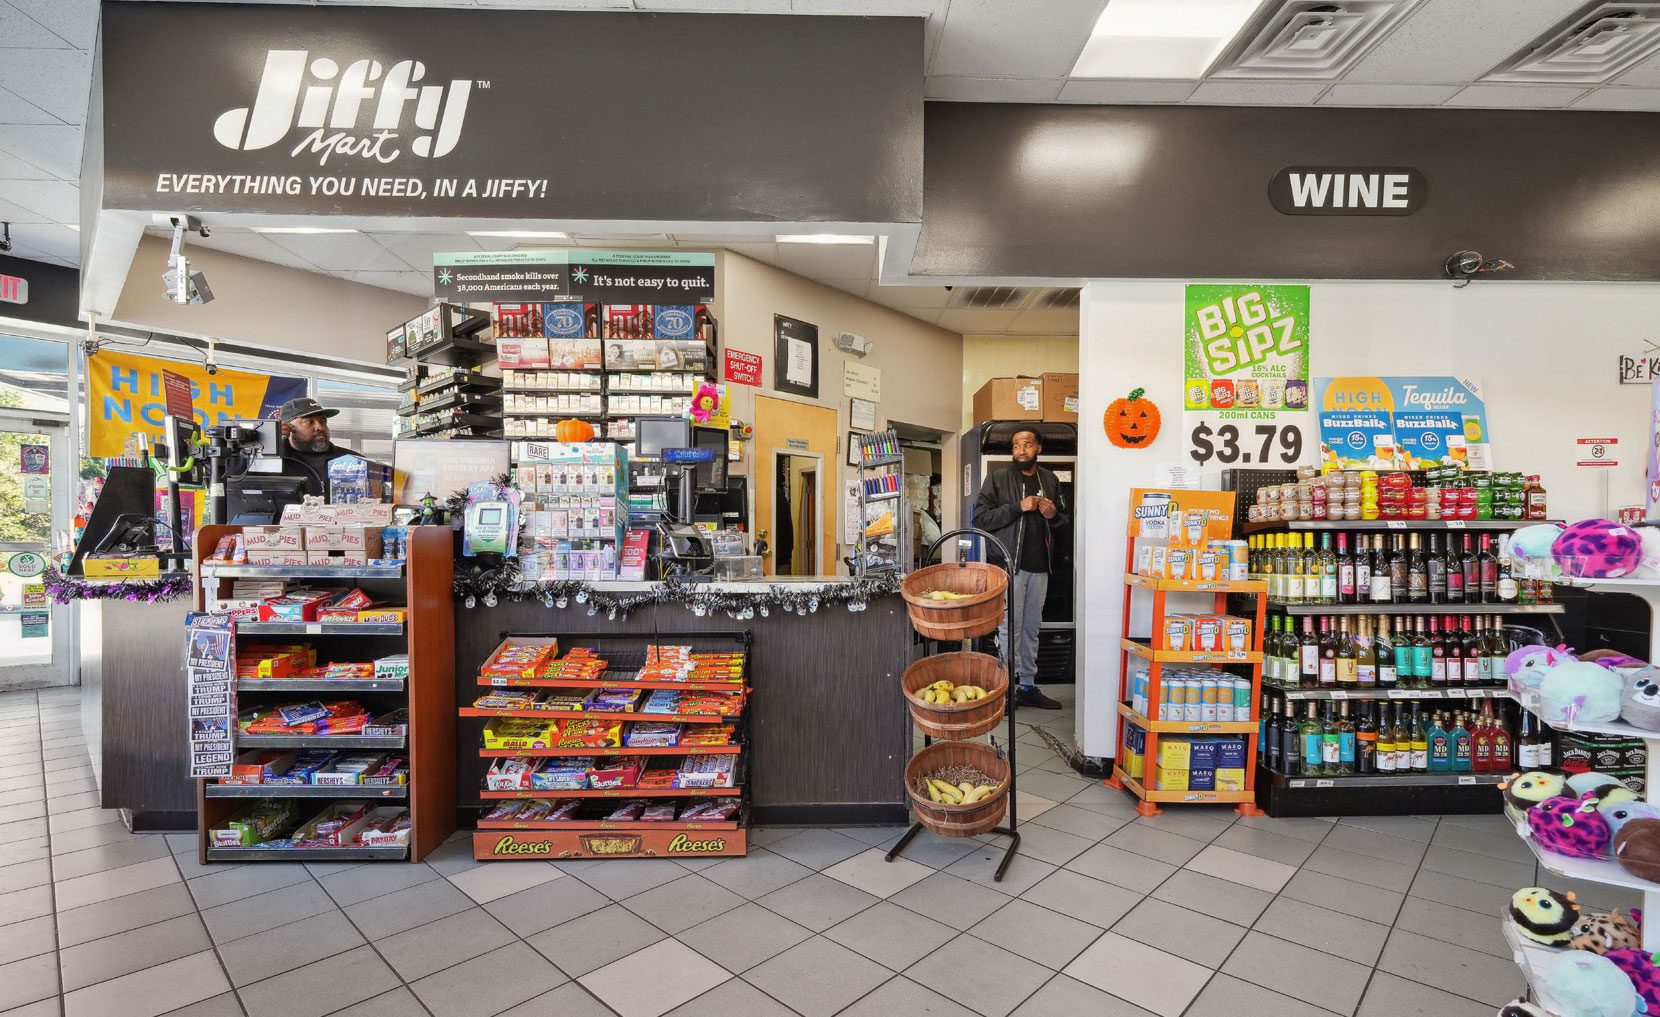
(1056, 300)
(989, 298)
(1309, 39)
(1599, 43)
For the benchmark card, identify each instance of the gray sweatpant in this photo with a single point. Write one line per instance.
(1030, 588)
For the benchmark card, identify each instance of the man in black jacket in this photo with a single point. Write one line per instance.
(305, 445)
(1022, 506)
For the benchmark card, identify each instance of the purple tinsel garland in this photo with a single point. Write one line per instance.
(65, 589)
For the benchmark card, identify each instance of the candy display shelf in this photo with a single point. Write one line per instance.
(590, 835)
(422, 585)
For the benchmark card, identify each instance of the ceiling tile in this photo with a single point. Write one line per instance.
(15, 110)
(829, 261)
(912, 298)
(57, 200)
(416, 249)
(17, 213)
(1256, 93)
(960, 89)
(1124, 90)
(19, 29)
(1516, 96)
(763, 251)
(561, 5)
(248, 245)
(1450, 41)
(974, 322)
(1343, 94)
(1047, 322)
(59, 81)
(1645, 73)
(1620, 99)
(995, 37)
(13, 168)
(351, 252)
(417, 283)
(57, 150)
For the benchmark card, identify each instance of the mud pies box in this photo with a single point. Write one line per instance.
(1009, 399)
(273, 538)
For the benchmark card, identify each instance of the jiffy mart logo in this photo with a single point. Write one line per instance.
(331, 103)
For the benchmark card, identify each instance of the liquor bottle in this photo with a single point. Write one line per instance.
(1437, 564)
(1366, 661)
(1406, 664)
(1506, 587)
(1503, 745)
(1314, 752)
(1272, 745)
(1417, 572)
(1472, 573)
(1291, 743)
(1437, 655)
(1400, 583)
(1481, 739)
(1271, 653)
(1384, 653)
(1498, 648)
(1331, 745)
(1345, 571)
(1484, 659)
(1455, 572)
(1366, 740)
(1326, 563)
(1308, 655)
(1454, 644)
(1544, 593)
(1346, 741)
(1463, 749)
(1420, 742)
(1489, 566)
(1311, 570)
(1423, 656)
(1270, 567)
(1385, 740)
(1440, 745)
(1403, 740)
(1382, 591)
(1348, 662)
(1328, 655)
(1294, 569)
(1472, 653)
(1363, 570)
(1527, 742)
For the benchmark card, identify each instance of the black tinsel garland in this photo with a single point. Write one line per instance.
(493, 584)
(65, 589)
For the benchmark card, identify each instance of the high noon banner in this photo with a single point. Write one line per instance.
(126, 396)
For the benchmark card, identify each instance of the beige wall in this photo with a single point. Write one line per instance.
(921, 364)
(266, 305)
(1003, 356)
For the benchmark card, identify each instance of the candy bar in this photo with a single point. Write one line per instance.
(590, 734)
(394, 666)
(613, 700)
(395, 770)
(261, 766)
(505, 699)
(628, 811)
(336, 826)
(706, 771)
(535, 811)
(386, 827)
(561, 775)
(513, 661)
(260, 822)
(707, 734)
(710, 810)
(520, 733)
(615, 771)
(662, 701)
(656, 779)
(562, 703)
(512, 774)
(653, 734)
(302, 713)
(658, 813)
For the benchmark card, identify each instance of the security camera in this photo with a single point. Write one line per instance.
(183, 284)
(5, 238)
(1462, 266)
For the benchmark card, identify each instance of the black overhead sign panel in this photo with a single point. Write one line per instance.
(375, 111)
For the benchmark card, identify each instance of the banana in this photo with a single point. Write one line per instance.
(950, 794)
(986, 788)
(943, 686)
(933, 792)
(965, 787)
(960, 695)
(975, 795)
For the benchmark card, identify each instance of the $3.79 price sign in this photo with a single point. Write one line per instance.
(1242, 441)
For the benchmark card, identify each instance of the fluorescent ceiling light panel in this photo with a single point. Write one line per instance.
(520, 234)
(822, 238)
(298, 229)
(1161, 38)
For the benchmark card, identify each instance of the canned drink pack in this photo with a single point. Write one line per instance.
(1192, 709)
(1208, 699)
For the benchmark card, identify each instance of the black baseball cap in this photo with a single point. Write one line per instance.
(305, 406)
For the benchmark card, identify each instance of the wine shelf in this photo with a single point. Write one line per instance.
(1386, 780)
(1450, 692)
(1416, 609)
(1402, 525)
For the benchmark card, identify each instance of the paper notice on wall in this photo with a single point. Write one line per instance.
(861, 381)
(37, 494)
(210, 650)
(1175, 476)
(798, 369)
(34, 624)
(853, 522)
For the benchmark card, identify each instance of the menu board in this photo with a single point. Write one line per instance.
(210, 653)
(1405, 423)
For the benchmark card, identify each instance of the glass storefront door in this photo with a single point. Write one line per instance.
(36, 486)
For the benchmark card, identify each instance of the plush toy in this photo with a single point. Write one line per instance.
(1601, 933)
(1597, 549)
(1649, 565)
(1581, 984)
(1527, 666)
(1569, 826)
(1637, 848)
(1522, 791)
(1530, 550)
(1576, 691)
(1640, 699)
(1522, 1008)
(1544, 916)
(1638, 967)
(1613, 660)
(1580, 783)
(1620, 811)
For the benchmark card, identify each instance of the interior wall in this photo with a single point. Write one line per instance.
(920, 362)
(1004, 356)
(267, 305)
(1545, 354)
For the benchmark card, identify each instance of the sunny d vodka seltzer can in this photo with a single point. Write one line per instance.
(1239, 560)
(1208, 698)
(1165, 693)
(1191, 710)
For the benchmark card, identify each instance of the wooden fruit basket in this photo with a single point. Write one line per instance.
(953, 620)
(959, 820)
(957, 721)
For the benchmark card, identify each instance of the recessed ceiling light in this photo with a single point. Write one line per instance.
(298, 229)
(1161, 38)
(822, 238)
(520, 234)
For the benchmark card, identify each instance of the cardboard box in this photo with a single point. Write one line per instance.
(364, 540)
(1009, 399)
(1201, 780)
(276, 557)
(1230, 778)
(273, 538)
(334, 558)
(1060, 397)
(1171, 779)
(1203, 755)
(1175, 753)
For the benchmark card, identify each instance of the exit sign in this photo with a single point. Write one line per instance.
(13, 290)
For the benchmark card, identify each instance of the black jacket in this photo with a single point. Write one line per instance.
(316, 478)
(997, 509)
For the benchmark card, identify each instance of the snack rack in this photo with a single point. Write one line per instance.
(1146, 650)
(423, 584)
(1532, 957)
(588, 837)
(881, 465)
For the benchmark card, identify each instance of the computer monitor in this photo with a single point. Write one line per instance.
(128, 495)
(258, 499)
(654, 434)
(710, 476)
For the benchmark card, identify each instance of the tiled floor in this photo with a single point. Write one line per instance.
(1103, 913)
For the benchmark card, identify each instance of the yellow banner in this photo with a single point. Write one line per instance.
(125, 396)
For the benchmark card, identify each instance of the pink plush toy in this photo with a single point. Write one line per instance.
(1598, 549)
(1527, 665)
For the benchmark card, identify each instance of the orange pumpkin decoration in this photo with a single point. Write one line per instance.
(573, 430)
(1132, 422)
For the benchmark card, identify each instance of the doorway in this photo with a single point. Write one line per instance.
(787, 432)
(35, 492)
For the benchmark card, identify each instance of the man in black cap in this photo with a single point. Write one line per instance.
(306, 448)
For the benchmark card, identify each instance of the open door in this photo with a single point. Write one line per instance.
(786, 431)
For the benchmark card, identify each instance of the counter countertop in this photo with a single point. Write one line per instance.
(726, 585)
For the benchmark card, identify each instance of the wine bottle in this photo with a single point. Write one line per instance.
(1345, 571)
(1400, 583)
(1384, 654)
(1328, 655)
(1455, 572)
(1438, 655)
(1437, 566)
(1308, 673)
(1366, 662)
(1417, 572)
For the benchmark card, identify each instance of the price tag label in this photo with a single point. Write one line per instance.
(1339, 694)
(1432, 693)
(1455, 524)
(1400, 693)
(1296, 783)
(1325, 783)
(1466, 781)
(1395, 524)
(1236, 438)
(314, 630)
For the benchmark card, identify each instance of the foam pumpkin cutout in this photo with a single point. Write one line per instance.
(573, 430)
(1132, 422)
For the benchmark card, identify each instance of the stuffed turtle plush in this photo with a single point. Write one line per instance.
(1526, 666)
(1575, 691)
(1581, 984)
